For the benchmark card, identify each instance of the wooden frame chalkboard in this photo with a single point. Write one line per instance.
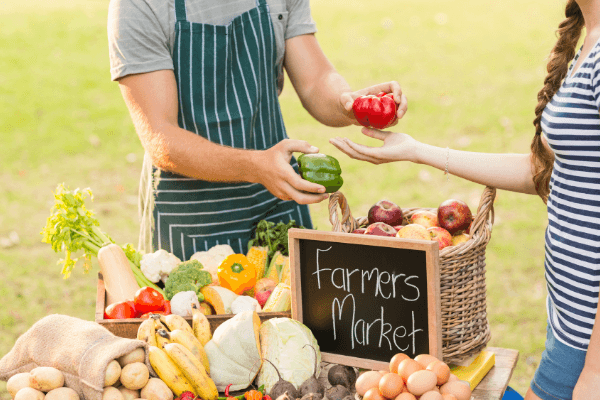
(330, 268)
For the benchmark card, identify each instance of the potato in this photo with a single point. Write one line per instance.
(28, 393)
(112, 374)
(129, 394)
(45, 379)
(112, 393)
(63, 393)
(156, 390)
(137, 355)
(135, 376)
(17, 382)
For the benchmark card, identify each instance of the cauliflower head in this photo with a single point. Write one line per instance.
(158, 265)
(181, 303)
(188, 276)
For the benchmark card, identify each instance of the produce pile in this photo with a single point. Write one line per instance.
(424, 378)
(450, 225)
(216, 281)
(40, 383)
(189, 362)
(194, 362)
(126, 378)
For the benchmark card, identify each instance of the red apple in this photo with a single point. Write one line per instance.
(387, 212)
(443, 237)
(359, 231)
(263, 289)
(413, 231)
(425, 218)
(454, 215)
(468, 230)
(380, 229)
(398, 227)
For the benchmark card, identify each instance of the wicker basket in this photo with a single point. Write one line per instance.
(465, 328)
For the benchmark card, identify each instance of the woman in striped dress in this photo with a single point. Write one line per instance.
(564, 169)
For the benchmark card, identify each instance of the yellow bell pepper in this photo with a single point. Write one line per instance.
(237, 274)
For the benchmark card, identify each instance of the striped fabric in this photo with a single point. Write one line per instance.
(571, 124)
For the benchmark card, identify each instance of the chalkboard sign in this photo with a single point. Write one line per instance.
(365, 297)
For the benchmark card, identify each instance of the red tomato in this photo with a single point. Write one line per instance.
(122, 310)
(376, 111)
(147, 315)
(148, 299)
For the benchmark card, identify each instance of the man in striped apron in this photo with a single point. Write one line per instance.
(218, 159)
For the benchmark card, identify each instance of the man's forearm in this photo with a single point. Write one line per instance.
(322, 100)
(185, 153)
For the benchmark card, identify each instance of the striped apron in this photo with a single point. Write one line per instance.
(227, 85)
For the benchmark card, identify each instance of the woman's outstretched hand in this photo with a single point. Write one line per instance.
(396, 147)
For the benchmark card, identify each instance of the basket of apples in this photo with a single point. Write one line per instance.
(462, 237)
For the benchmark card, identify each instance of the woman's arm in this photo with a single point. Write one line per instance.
(503, 171)
(152, 102)
(512, 172)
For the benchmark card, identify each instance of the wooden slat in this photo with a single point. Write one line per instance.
(100, 298)
(434, 305)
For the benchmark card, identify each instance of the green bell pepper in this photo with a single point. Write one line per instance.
(321, 169)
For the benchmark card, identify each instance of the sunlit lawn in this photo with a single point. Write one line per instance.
(471, 71)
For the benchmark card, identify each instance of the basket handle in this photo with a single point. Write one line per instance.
(348, 223)
(485, 211)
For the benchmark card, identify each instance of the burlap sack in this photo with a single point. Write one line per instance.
(80, 349)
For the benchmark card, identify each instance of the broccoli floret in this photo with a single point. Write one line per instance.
(188, 275)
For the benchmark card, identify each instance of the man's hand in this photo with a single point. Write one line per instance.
(347, 98)
(324, 93)
(274, 172)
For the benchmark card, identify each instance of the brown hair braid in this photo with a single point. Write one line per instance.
(569, 32)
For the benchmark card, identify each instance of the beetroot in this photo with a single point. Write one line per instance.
(282, 387)
(342, 375)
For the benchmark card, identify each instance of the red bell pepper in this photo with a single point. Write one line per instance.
(378, 111)
(167, 307)
(122, 310)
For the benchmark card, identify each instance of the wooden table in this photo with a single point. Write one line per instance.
(494, 384)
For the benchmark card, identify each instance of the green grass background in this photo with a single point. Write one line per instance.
(470, 68)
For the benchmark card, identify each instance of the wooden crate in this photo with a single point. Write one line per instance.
(128, 328)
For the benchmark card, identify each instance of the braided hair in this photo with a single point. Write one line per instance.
(569, 32)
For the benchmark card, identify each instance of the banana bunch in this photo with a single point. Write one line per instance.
(177, 352)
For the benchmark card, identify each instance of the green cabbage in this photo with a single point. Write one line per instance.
(282, 342)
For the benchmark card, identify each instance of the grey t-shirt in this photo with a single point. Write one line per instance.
(141, 33)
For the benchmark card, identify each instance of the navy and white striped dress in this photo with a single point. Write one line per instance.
(571, 124)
